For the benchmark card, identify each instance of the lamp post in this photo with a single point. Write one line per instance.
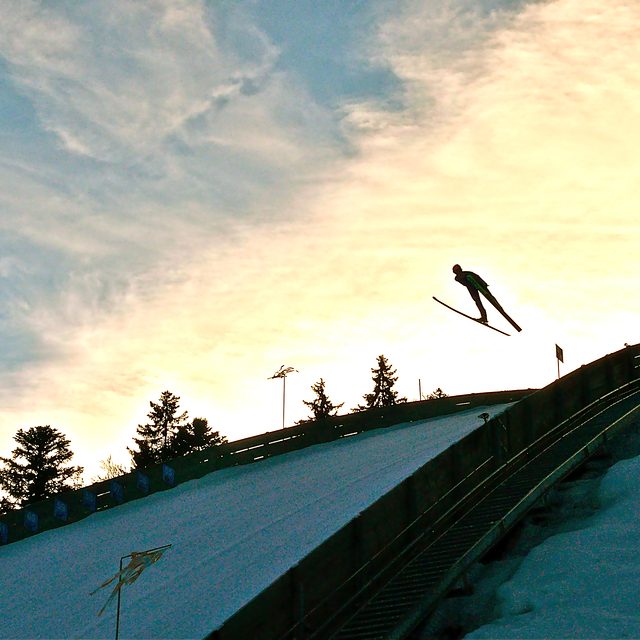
(282, 372)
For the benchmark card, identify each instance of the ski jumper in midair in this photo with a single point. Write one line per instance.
(475, 286)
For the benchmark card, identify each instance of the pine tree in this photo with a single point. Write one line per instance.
(37, 468)
(438, 393)
(154, 444)
(195, 436)
(383, 394)
(321, 407)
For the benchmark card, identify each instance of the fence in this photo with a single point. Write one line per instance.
(75, 505)
(336, 570)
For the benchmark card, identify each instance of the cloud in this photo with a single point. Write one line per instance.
(114, 82)
(524, 117)
(157, 126)
(163, 102)
(511, 149)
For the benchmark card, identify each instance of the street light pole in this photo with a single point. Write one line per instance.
(282, 372)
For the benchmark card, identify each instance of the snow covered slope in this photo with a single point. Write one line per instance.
(233, 533)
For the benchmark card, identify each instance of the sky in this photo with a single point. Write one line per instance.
(194, 193)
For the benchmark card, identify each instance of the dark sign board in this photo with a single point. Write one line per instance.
(60, 510)
(168, 474)
(89, 500)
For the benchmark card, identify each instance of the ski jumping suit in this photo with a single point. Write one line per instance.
(475, 284)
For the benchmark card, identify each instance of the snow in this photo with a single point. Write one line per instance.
(581, 583)
(233, 533)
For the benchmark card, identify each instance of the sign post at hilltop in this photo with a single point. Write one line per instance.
(559, 358)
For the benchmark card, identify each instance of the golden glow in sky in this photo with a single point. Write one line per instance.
(206, 210)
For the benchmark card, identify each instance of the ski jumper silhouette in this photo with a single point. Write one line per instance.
(476, 285)
(473, 282)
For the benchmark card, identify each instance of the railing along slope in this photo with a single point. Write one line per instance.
(447, 550)
(72, 506)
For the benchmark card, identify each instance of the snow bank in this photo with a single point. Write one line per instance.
(581, 584)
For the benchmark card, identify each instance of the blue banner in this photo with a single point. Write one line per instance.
(117, 491)
(89, 500)
(31, 520)
(142, 482)
(168, 474)
(60, 510)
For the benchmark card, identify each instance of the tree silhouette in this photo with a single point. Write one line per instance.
(110, 469)
(383, 395)
(195, 436)
(321, 406)
(438, 393)
(37, 467)
(154, 443)
(5, 505)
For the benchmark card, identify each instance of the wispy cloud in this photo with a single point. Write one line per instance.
(194, 220)
(115, 82)
(160, 124)
(515, 121)
(138, 136)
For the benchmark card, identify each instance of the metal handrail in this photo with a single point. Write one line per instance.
(407, 549)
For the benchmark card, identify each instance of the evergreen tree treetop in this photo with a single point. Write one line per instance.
(194, 436)
(383, 394)
(169, 434)
(321, 407)
(38, 467)
(155, 437)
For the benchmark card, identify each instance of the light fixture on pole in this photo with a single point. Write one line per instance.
(282, 372)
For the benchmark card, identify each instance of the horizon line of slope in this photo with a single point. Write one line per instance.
(139, 483)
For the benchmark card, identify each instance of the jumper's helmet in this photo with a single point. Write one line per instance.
(456, 268)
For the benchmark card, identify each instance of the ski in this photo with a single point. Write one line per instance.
(496, 304)
(470, 318)
(489, 296)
